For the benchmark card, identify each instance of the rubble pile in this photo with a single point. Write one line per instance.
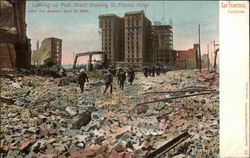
(49, 117)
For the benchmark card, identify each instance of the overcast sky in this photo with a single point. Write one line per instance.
(79, 31)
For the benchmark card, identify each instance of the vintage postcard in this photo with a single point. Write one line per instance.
(124, 79)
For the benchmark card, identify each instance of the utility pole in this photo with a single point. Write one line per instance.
(208, 58)
(214, 56)
(199, 49)
(214, 45)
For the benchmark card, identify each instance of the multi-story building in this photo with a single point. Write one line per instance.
(137, 38)
(132, 40)
(126, 40)
(162, 44)
(112, 29)
(50, 48)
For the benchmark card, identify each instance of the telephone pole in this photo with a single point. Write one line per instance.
(199, 49)
(208, 64)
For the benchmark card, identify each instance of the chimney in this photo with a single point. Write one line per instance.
(37, 45)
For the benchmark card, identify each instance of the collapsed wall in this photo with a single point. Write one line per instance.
(50, 48)
(15, 48)
(187, 59)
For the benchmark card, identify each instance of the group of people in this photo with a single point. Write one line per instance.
(121, 75)
(152, 71)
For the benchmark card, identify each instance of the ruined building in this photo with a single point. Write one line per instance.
(15, 48)
(205, 61)
(50, 48)
(126, 40)
(187, 59)
(162, 44)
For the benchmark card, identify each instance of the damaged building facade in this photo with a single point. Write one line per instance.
(50, 48)
(15, 48)
(187, 59)
(205, 61)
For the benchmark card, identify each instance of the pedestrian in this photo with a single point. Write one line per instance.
(131, 76)
(82, 78)
(122, 78)
(108, 78)
(153, 71)
(158, 70)
(117, 75)
(145, 71)
(150, 70)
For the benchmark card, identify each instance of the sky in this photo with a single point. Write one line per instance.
(80, 30)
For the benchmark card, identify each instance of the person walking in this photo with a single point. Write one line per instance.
(108, 78)
(145, 71)
(153, 71)
(122, 78)
(82, 78)
(131, 76)
(158, 70)
(118, 74)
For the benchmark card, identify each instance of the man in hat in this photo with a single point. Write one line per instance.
(82, 78)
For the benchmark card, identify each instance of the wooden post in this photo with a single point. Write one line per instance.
(199, 49)
(208, 66)
(89, 64)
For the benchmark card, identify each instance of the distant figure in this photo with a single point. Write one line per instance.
(158, 70)
(112, 69)
(108, 81)
(117, 75)
(131, 76)
(82, 78)
(121, 78)
(153, 71)
(145, 71)
(150, 71)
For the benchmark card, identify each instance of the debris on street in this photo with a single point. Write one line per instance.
(175, 114)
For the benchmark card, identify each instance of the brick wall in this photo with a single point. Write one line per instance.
(7, 55)
(6, 15)
(186, 59)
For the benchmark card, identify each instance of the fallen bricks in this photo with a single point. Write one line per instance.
(6, 100)
(50, 111)
(168, 146)
(83, 120)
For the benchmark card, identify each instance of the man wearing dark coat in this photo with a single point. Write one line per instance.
(108, 78)
(131, 75)
(82, 78)
(122, 78)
